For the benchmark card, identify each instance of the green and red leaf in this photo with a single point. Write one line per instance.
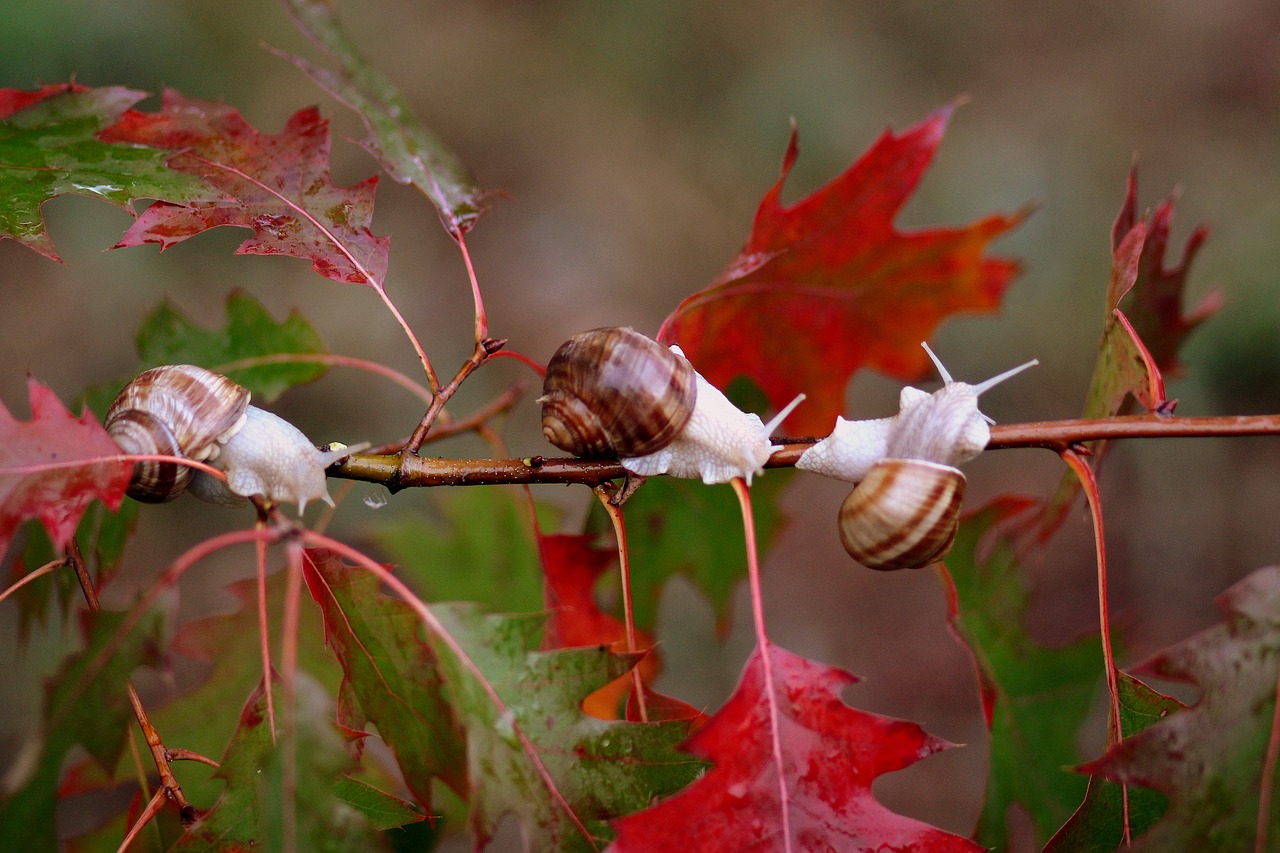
(1210, 759)
(49, 146)
(389, 672)
(278, 186)
(574, 772)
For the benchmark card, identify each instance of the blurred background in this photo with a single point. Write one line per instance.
(632, 143)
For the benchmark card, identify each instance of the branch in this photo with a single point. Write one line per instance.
(396, 472)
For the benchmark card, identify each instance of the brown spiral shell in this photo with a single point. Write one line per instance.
(903, 515)
(614, 392)
(175, 410)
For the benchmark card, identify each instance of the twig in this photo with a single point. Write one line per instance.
(168, 782)
(484, 348)
(398, 472)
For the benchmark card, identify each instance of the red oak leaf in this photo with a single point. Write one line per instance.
(35, 479)
(279, 186)
(1155, 309)
(831, 754)
(1143, 330)
(827, 285)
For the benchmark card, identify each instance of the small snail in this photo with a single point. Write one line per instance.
(905, 510)
(188, 411)
(614, 392)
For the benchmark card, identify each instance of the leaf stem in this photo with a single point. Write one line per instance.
(628, 614)
(483, 350)
(764, 646)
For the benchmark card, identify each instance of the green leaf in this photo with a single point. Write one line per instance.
(50, 148)
(254, 810)
(1035, 698)
(389, 671)
(601, 769)
(86, 704)
(1210, 758)
(482, 551)
(404, 146)
(382, 809)
(167, 336)
(1098, 825)
(679, 526)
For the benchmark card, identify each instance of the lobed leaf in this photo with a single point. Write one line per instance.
(1210, 758)
(278, 186)
(49, 147)
(831, 753)
(167, 336)
(389, 672)
(58, 494)
(1142, 332)
(1098, 826)
(601, 769)
(827, 285)
(572, 566)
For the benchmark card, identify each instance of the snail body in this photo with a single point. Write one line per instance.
(905, 510)
(190, 412)
(615, 392)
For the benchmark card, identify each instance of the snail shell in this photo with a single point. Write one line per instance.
(905, 510)
(175, 410)
(614, 392)
(903, 515)
(190, 412)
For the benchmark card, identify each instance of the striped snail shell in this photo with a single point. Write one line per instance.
(193, 413)
(614, 392)
(905, 510)
(903, 515)
(175, 410)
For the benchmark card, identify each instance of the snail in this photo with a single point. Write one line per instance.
(905, 510)
(188, 411)
(615, 392)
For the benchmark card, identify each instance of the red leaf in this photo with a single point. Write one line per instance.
(831, 274)
(572, 566)
(59, 494)
(831, 754)
(1155, 309)
(279, 186)
(12, 100)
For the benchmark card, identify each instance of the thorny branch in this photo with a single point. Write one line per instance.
(398, 472)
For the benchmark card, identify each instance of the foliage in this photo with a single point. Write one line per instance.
(485, 674)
